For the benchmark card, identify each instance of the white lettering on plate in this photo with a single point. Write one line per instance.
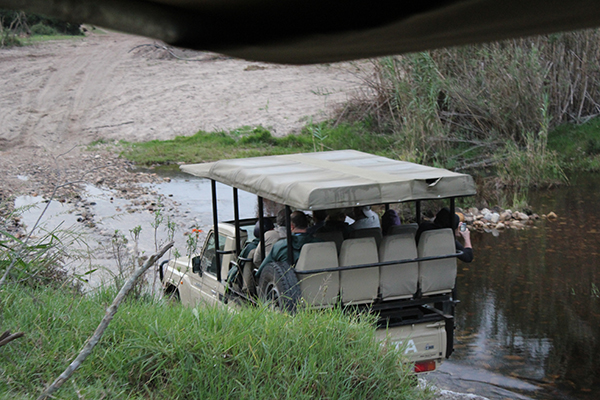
(410, 346)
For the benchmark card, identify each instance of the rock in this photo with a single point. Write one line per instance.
(552, 216)
(506, 215)
(517, 225)
(473, 211)
(484, 211)
(500, 226)
(495, 217)
(478, 224)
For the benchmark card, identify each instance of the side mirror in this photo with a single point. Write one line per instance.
(196, 268)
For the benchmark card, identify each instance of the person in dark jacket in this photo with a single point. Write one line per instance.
(299, 225)
(444, 219)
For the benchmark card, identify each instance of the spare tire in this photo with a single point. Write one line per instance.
(278, 285)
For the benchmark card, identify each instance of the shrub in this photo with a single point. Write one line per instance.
(41, 29)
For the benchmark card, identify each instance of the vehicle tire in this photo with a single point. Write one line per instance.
(278, 285)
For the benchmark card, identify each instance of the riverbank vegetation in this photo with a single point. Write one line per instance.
(153, 349)
(512, 110)
(18, 28)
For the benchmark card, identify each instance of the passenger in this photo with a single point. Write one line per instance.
(444, 219)
(298, 225)
(365, 218)
(271, 237)
(319, 217)
(336, 222)
(280, 221)
(389, 219)
(249, 251)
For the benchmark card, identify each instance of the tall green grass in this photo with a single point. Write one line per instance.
(153, 349)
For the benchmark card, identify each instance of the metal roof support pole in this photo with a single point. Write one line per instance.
(387, 206)
(452, 208)
(418, 207)
(288, 228)
(236, 216)
(261, 224)
(213, 188)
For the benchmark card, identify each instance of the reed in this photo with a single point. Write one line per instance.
(462, 107)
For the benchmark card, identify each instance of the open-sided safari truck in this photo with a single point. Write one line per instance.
(409, 287)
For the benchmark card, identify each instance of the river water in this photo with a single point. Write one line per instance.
(528, 325)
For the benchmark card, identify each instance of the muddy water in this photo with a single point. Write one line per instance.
(186, 202)
(528, 325)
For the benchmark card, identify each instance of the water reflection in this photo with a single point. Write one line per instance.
(530, 302)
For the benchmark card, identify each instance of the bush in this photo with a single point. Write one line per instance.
(19, 22)
(41, 29)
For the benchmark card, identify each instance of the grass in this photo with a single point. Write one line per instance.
(157, 350)
(578, 146)
(252, 142)
(47, 38)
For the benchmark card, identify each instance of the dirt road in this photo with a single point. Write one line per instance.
(63, 94)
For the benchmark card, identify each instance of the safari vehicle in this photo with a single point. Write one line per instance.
(409, 287)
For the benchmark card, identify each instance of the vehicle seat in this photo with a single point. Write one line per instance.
(333, 236)
(437, 276)
(320, 289)
(398, 281)
(367, 232)
(405, 228)
(360, 285)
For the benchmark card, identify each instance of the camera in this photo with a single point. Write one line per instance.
(463, 227)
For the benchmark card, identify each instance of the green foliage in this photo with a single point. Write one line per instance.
(577, 145)
(13, 23)
(160, 350)
(41, 29)
(529, 167)
(251, 142)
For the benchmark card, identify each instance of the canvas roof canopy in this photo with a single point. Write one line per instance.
(317, 31)
(335, 179)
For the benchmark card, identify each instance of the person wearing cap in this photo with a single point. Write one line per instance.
(365, 218)
(389, 219)
(445, 219)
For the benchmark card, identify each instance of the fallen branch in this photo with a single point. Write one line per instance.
(110, 313)
(172, 53)
(6, 337)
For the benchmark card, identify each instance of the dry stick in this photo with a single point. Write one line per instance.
(7, 337)
(110, 313)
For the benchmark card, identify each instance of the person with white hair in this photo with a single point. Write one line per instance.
(365, 218)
